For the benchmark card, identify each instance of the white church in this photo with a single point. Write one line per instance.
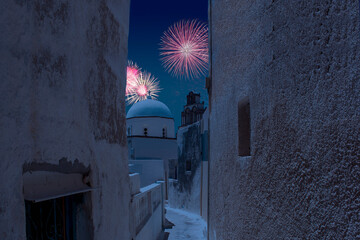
(151, 141)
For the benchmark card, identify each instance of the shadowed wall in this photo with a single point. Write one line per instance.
(298, 62)
(62, 108)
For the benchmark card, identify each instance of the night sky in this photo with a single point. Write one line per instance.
(148, 21)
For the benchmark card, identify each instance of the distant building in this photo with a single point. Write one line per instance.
(193, 110)
(151, 140)
(189, 190)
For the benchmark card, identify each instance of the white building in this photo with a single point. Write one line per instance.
(64, 166)
(151, 140)
(189, 190)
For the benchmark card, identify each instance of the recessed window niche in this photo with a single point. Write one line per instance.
(244, 129)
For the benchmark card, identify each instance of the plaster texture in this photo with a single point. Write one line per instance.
(152, 148)
(299, 64)
(147, 211)
(62, 68)
(150, 170)
(185, 191)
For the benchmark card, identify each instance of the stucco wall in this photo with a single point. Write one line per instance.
(185, 192)
(150, 170)
(152, 148)
(299, 64)
(62, 98)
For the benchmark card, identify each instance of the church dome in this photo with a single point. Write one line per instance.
(149, 108)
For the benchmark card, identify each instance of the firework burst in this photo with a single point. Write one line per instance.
(145, 86)
(184, 49)
(132, 73)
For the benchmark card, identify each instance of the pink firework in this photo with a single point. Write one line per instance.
(184, 49)
(146, 86)
(132, 73)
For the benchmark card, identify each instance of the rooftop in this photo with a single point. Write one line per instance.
(149, 108)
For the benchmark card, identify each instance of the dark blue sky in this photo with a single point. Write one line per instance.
(148, 21)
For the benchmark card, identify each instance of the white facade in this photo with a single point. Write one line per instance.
(150, 170)
(150, 118)
(152, 148)
(190, 190)
(147, 209)
(152, 126)
(151, 136)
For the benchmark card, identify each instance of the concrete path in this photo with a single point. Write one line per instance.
(187, 225)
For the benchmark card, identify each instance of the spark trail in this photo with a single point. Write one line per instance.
(184, 49)
(132, 73)
(145, 86)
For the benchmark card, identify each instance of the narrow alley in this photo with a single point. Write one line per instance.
(187, 225)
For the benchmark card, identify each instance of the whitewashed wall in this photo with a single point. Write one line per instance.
(62, 68)
(154, 126)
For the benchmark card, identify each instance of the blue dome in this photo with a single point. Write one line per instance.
(149, 108)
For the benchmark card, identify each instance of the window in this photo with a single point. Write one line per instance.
(145, 131)
(187, 116)
(164, 133)
(183, 118)
(244, 129)
(188, 165)
(173, 168)
(60, 218)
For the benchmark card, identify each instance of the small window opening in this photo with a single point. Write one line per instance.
(244, 129)
(145, 131)
(173, 168)
(188, 165)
